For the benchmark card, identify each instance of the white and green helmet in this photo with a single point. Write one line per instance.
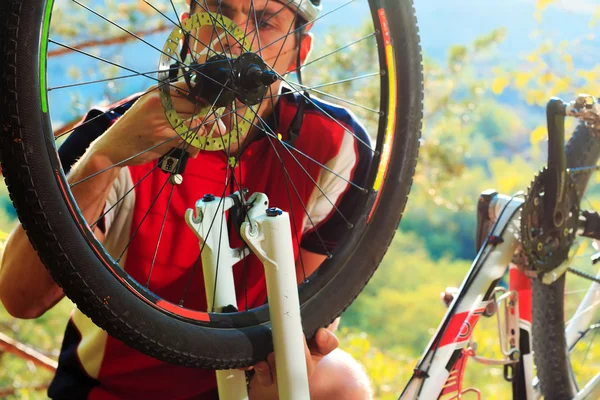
(307, 9)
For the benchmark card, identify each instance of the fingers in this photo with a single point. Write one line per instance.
(323, 343)
(265, 371)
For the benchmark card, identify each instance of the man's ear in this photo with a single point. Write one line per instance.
(306, 45)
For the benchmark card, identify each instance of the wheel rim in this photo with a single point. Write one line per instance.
(382, 146)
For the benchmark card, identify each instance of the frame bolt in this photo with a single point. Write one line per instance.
(208, 198)
(515, 355)
(273, 212)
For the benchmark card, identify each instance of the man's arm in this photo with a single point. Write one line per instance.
(141, 135)
(26, 288)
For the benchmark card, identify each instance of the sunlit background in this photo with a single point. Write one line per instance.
(490, 66)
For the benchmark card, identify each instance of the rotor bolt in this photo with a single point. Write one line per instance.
(566, 232)
(273, 212)
(540, 246)
(208, 198)
(176, 179)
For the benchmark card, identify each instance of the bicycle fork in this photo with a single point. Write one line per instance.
(267, 232)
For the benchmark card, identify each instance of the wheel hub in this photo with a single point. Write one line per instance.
(215, 83)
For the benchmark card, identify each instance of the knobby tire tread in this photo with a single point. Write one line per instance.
(227, 349)
(548, 330)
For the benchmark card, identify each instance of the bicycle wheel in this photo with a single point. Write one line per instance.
(564, 368)
(376, 75)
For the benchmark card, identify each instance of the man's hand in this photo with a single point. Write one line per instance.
(145, 126)
(323, 343)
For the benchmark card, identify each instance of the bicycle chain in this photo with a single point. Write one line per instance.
(583, 274)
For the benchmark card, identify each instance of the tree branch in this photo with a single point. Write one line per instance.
(4, 392)
(107, 42)
(19, 349)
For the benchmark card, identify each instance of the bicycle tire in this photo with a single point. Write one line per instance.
(548, 320)
(33, 175)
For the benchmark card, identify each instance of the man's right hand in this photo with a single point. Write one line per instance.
(145, 125)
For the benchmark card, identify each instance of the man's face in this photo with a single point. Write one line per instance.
(268, 25)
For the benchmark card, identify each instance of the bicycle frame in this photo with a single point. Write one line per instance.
(268, 234)
(440, 370)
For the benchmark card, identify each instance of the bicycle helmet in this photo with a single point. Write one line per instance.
(307, 9)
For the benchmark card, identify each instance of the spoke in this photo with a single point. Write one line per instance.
(226, 32)
(288, 146)
(199, 259)
(595, 331)
(285, 40)
(335, 51)
(578, 291)
(352, 103)
(123, 161)
(219, 246)
(220, 24)
(115, 64)
(287, 188)
(298, 195)
(189, 133)
(109, 110)
(312, 88)
(109, 79)
(256, 25)
(309, 22)
(239, 166)
(127, 31)
(143, 219)
(162, 227)
(326, 113)
(167, 207)
(176, 24)
(146, 214)
(295, 190)
(105, 213)
(349, 224)
(584, 311)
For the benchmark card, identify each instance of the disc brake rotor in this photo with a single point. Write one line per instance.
(219, 81)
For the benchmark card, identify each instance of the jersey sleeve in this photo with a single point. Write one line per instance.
(333, 201)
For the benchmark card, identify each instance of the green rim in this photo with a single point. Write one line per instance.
(43, 55)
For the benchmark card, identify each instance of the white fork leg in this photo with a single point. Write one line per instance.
(269, 236)
(218, 282)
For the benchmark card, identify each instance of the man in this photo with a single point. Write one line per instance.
(94, 365)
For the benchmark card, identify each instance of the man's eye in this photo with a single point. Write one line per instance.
(264, 25)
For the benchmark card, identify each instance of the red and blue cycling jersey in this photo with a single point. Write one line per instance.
(96, 366)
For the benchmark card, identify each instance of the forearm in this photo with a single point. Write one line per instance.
(26, 288)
